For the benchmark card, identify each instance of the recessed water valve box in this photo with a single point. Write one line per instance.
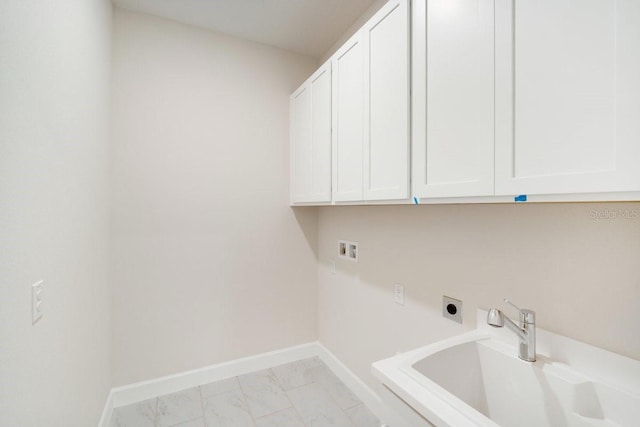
(452, 308)
(348, 250)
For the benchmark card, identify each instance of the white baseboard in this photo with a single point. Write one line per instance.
(144, 390)
(370, 398)
(137, 392)
(105, 418)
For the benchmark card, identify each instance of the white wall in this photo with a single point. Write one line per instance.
(54, 105)
(208, 261)
(581, 275)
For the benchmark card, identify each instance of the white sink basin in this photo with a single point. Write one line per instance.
(476, 379)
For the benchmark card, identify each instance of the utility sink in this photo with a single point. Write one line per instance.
(477, 379)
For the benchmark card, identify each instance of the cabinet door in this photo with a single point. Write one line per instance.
(567, 109)
(300, 144)
(386, 103)
(348, 111)
(453, 98)
(311, 139)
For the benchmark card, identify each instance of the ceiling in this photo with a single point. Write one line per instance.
(308, 27)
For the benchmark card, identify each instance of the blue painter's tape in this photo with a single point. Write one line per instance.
(520, 198)
(416, 201)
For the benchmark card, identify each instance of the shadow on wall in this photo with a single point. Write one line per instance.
(307, 219)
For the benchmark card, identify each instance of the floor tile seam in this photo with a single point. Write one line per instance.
(300, 386)
(246, 402)
(314, 365)
(353, 406)
(276, 376)
(286, 393)
(202, 403)
(359, 401)
(307, 369)
(218, 393)
(300, 417)
(277, 410)
(155, 411)
(186, 421)
(344, 410)
(332, 399)
(292, 407)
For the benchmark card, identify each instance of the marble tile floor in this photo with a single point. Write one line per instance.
(305, 393)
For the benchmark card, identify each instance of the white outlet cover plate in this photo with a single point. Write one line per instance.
(398, 294)
(36, 301)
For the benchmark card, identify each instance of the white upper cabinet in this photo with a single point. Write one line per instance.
(386, 103)
(311, 139)
(371, 109)
(567, 96)
(348, 120)
(501, 97)
(453, 98)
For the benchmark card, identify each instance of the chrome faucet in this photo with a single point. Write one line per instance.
(525, 329)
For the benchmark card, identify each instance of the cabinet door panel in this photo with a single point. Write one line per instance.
(301, 145)
(348, 132)
(311, 139)
(564, 109)
(321, 135)
(386, 100)
(453, 98)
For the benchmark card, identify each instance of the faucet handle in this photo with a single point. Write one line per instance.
(526, 316)
(512, 304)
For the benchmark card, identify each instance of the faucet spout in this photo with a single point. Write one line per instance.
(521, 333)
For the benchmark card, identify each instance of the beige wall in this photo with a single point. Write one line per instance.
(54, 104)
(208, 261)
(371, 10)
(581, 275)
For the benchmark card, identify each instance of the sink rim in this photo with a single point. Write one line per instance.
(476, 338)
(560, 355)
(436, 402)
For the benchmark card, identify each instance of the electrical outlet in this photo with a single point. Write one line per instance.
(452, 308)
(398, 294)
(348, 250)
(36, 301)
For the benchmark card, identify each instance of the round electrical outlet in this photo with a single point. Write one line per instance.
(452, 308)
